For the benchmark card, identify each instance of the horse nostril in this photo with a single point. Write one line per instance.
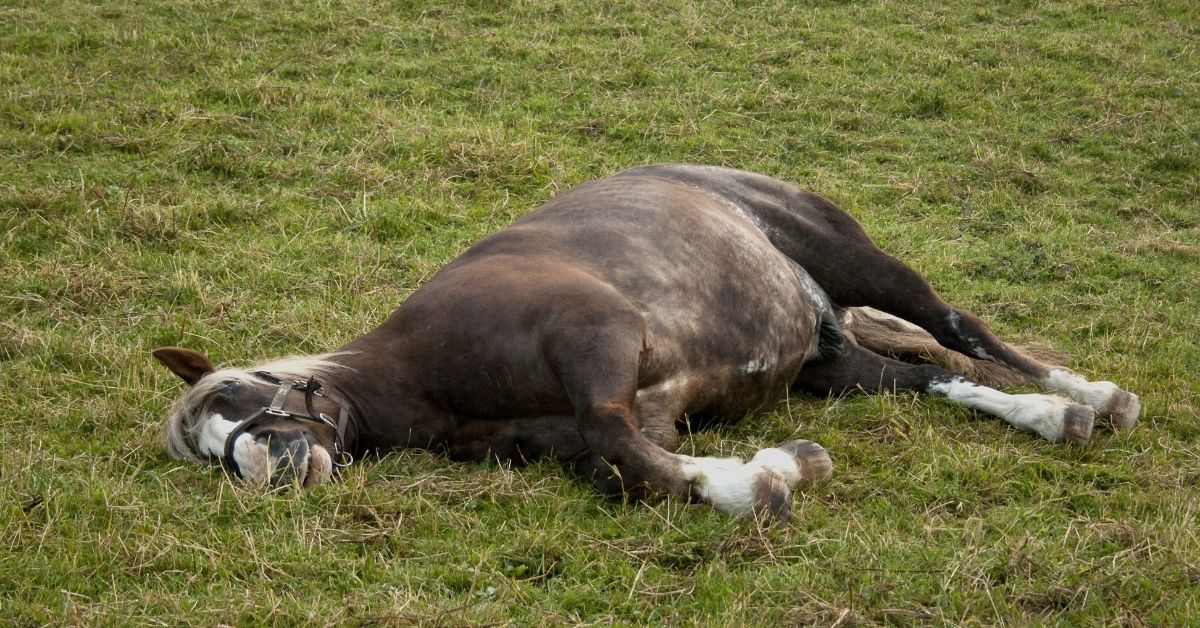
(290, 453)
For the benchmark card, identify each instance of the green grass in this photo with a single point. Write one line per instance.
(261, 178)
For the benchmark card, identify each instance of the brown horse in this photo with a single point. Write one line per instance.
(591, 328)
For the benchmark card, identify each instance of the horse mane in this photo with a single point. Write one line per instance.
(183, 424)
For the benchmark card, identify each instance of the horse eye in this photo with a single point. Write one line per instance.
(232, 388)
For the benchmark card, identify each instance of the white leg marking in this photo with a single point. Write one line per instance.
(728, 484)
(716, 483)
(1105, 397)
(1045, 414)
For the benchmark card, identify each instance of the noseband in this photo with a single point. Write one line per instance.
(341, 458)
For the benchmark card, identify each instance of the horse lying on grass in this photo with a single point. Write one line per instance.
(590, 329)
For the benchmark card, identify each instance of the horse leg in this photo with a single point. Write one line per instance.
(761, 487)
(598, 368)
(839, 255)
(1054, 418)
(910, 297)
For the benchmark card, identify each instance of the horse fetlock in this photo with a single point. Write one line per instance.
(1104, 397)
(718, 482)
(1055, 418)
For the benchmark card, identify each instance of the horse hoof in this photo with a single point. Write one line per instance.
(772, 498)
(1077, 424)
(1123, 408)
(814, 462)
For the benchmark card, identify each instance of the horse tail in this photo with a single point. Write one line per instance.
(897, 338)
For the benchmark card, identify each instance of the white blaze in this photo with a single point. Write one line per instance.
(212, 437)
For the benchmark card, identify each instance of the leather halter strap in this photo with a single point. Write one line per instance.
(341, 458)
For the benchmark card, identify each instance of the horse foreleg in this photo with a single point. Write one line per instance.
(763, 486)
(598, 368)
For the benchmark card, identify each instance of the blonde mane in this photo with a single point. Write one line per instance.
(184, 421)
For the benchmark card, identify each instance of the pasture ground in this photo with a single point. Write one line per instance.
(262, 178)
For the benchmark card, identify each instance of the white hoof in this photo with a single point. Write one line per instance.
(1123, 408)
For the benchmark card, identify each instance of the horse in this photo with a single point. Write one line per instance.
(597, 326)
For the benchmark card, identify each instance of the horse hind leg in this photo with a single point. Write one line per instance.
(1054, 418)
(971, 337)
(835, 250)
(898, 290)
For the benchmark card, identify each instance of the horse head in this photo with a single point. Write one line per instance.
(276, 423)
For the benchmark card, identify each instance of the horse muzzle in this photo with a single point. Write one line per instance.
(291, 460)
(282, 458)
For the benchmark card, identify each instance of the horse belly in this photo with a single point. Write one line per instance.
(730, 347)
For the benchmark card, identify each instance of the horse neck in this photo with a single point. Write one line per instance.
(385, 412)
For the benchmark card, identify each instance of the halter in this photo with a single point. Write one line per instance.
(341, 458)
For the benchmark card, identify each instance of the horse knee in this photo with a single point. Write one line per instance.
(607, 429)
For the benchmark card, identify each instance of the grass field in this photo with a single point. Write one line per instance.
(253, 179)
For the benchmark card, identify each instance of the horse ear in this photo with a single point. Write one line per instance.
(189, 365)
